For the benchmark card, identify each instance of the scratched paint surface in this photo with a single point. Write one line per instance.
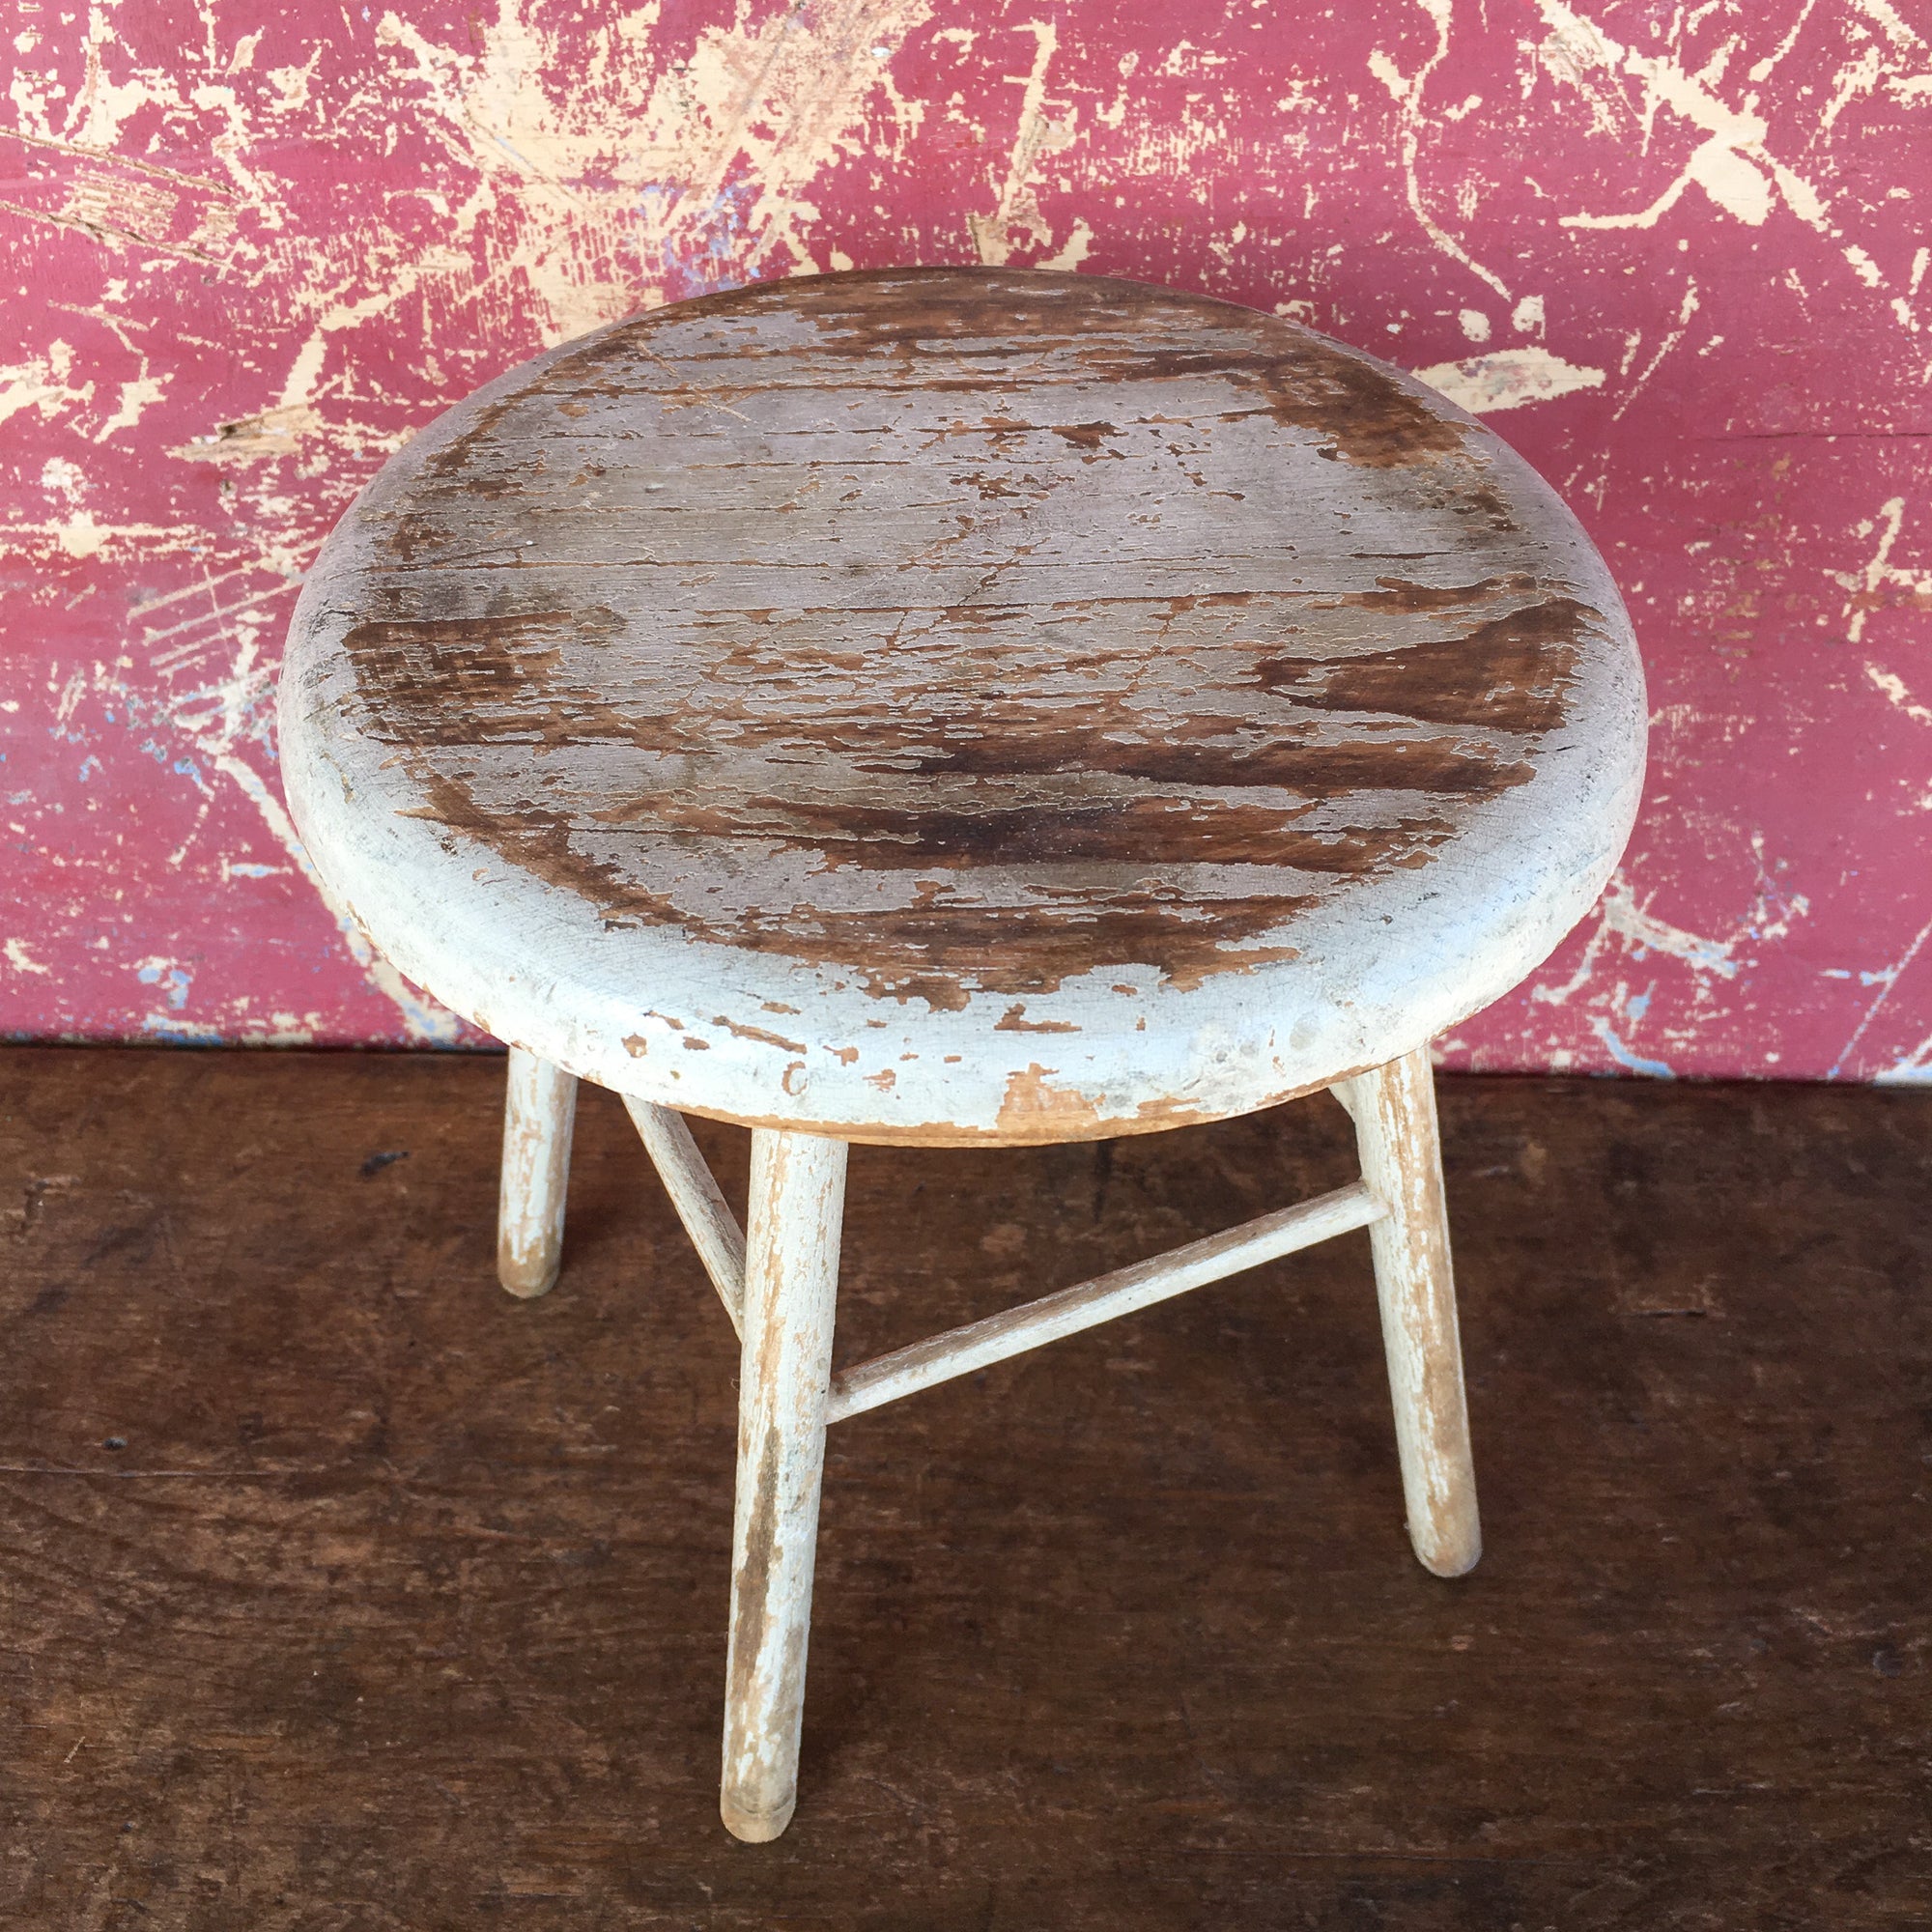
(1678, 257)
(1058, 654)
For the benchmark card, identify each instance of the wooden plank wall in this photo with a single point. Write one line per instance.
(343, 1590)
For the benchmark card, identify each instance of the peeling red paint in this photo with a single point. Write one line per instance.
(1682, 266)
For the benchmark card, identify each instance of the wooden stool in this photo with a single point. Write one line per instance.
(962, 708)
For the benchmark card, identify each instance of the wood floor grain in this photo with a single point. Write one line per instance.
(340, 1590)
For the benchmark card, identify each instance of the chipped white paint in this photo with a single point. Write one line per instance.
(780, 1291)
(699, 1202)
(1495, 671)
(959, 1351)
(424, 1019)
(1408, 92)
(1913, 1066)
(1617, 1009)
(1394, 1112)
(1506, 378)
(734, 133)
(1897, 696)
(1731, 163)
(1016, 219)
(539, 1115)
(1618, 912)
(1880, 581)
(1686, 309)
(41, 383)
(828, 1034)
(23, 961)
(791, 1291)
(1723, 164)
(195, 259)
(1622, 915)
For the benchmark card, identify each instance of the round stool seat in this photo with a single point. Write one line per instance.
(961, 705)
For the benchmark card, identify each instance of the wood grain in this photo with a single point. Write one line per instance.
(1032, 1324)
(796, 1212)
(976, 704)
(715, 1230)
(539, 1113)
(402, 1604)
(1396, 1135)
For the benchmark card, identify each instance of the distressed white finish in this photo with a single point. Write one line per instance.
(798, 706)
(952, 707)
(699, 1202)
(791, 1293)
(1394, 1111)
(1015, 1330)
(539, 1114)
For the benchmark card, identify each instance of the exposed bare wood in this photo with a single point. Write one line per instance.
(981, 706)
(699, 1202)
(791, 1293)
(1394, 1110)
(957, 706)
(539, 1109)
(1013, 1332)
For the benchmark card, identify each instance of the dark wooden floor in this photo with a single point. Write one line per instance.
(342, 1591)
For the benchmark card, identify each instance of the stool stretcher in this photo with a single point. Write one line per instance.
(958, 1352)
(778, 1276)
(699, 1202)
(719, 1242)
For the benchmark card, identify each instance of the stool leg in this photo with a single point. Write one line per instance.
(797, 1208)
(1394, 1110)
(539, 1113)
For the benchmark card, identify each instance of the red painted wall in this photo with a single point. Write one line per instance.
(1679, 254)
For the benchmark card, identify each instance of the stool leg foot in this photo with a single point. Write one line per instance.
(791, 1291)
(539, 1113)
(1394, 1109)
